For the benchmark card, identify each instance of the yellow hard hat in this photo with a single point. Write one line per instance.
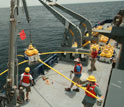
(27, 69)
(93, 47)
(91, 78)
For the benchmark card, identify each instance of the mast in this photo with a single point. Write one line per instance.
(12, 80)
(11, 61)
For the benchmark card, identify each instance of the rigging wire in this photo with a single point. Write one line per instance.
(30, 36)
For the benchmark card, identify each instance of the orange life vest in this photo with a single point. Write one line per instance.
(91, 89)
(26, 78)
(75, 70)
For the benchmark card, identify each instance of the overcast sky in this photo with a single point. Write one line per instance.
(6, 3)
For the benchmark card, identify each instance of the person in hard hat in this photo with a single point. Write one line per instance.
(26, 78)
(94, 54)
(93, 88)
(77, 74)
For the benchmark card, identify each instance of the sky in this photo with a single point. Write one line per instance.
(6, 3)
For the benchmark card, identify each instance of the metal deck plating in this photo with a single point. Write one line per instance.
(53, 95)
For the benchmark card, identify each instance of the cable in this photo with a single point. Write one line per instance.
(30, 36)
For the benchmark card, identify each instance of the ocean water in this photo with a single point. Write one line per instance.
(46, 30)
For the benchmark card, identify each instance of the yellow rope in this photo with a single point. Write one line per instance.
(62, 52)
(68, 78)
(21, 55)
(3, 72)
(45, 53)
(18, 64)
(23, 62)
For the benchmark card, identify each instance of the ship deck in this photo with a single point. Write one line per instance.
(54, 95)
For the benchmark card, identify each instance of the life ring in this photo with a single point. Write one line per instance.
(117, 20)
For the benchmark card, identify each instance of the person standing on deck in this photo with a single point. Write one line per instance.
(26, 78)
(94, 54)
(92, 87)
(77, 74)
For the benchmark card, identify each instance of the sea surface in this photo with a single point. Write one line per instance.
(46, 30)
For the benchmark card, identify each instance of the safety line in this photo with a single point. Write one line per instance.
(67, 78)
(62, 52)
(18, 64)
(45, 53)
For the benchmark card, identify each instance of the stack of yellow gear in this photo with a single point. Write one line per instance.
(96, 46)
(107, 51)
(31, 51)
(103, 39)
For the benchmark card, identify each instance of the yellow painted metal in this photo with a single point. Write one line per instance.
(84, 25)
(88, 42)
(72, 33)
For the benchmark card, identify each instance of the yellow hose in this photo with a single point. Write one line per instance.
(67, 78)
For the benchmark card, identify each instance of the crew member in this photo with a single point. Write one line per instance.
(94, 54)
(77, 74)
(26, 78)
(92, 87)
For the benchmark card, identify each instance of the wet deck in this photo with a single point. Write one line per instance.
(53, 95)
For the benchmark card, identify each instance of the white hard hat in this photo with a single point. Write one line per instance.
(77, 60)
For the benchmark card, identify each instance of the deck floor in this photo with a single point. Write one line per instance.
(53, 95)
